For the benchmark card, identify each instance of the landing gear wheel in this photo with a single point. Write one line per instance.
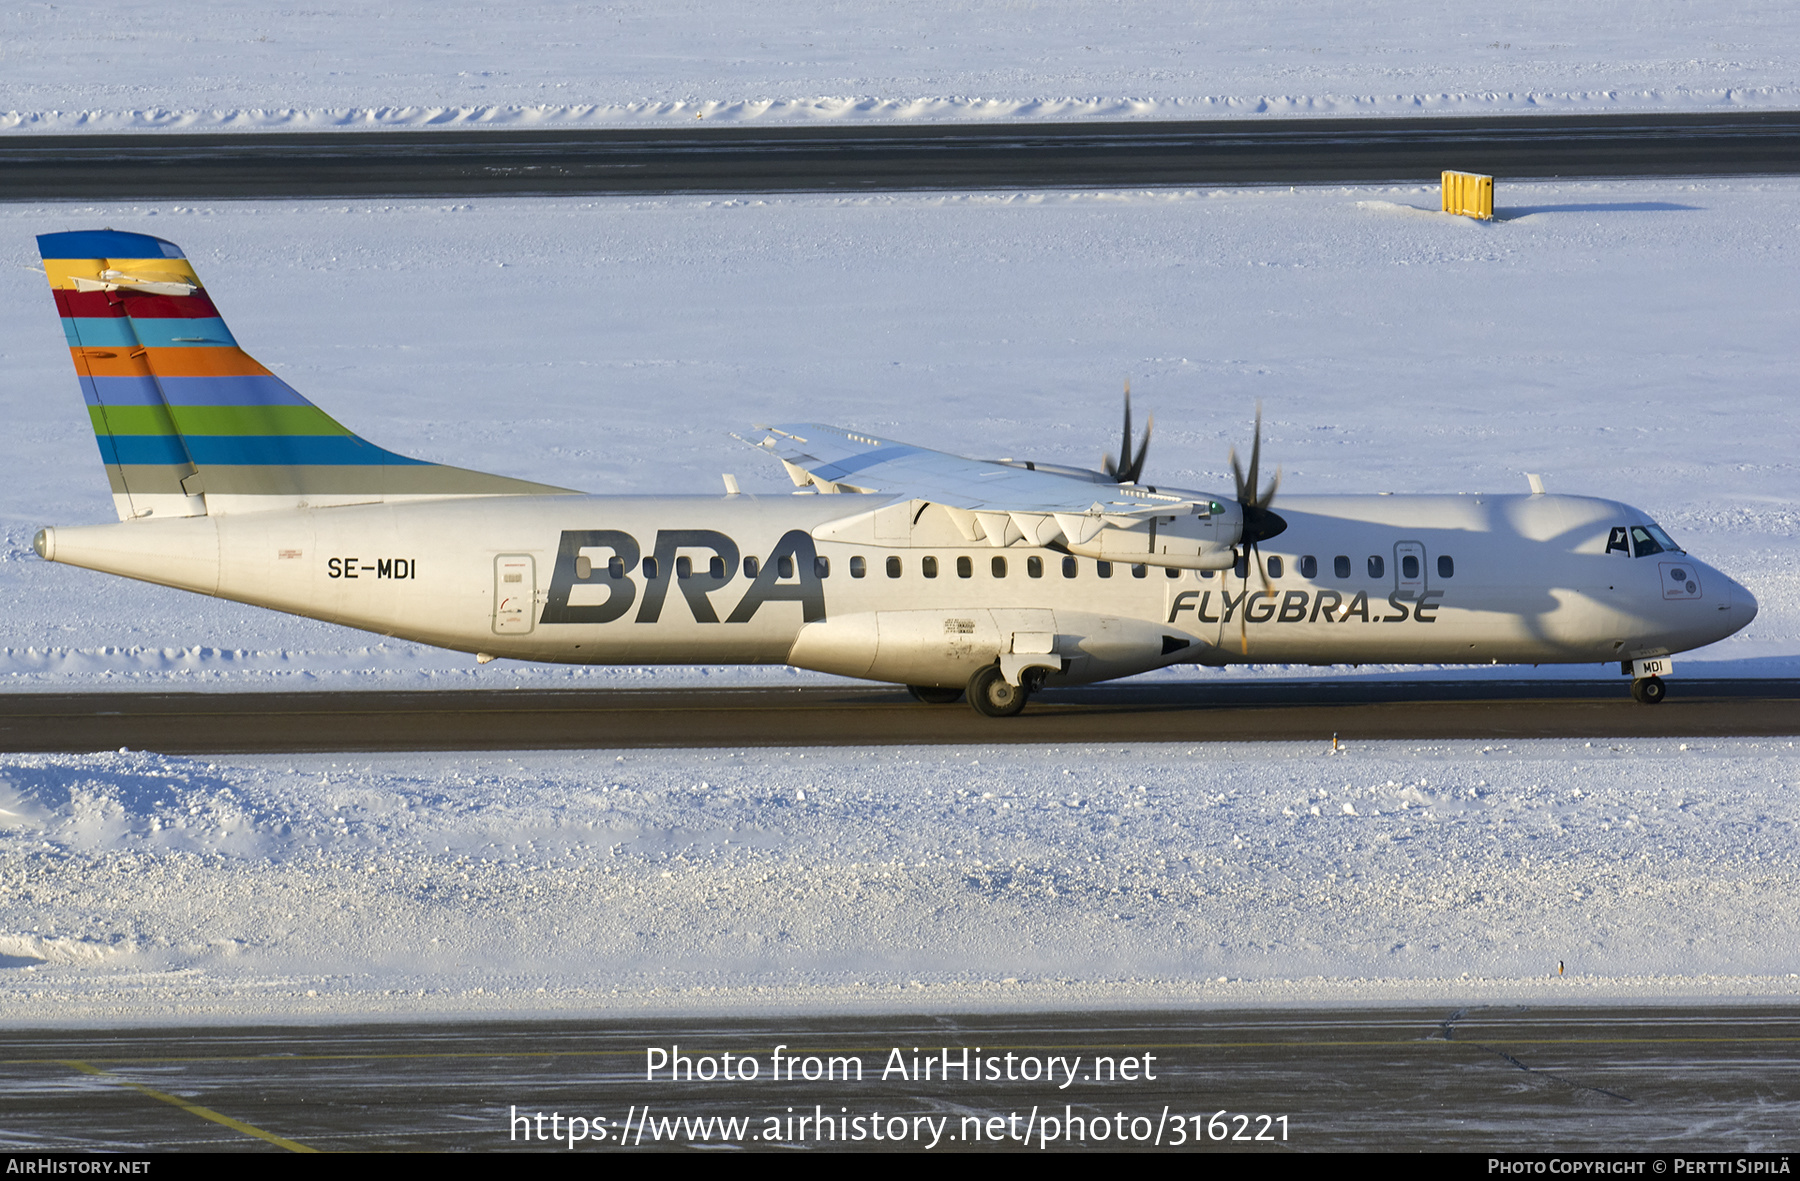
(1648, 691)
(991, 695)
(935, 694)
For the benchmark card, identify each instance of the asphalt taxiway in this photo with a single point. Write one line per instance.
(700, 158)
(877, 715)
(1488, 1079)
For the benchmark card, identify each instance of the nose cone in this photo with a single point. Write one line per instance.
(1725, 608)
(1743, 604)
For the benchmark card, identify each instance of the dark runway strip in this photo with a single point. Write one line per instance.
(1495, 1079)
(702, 159)
(875, 715)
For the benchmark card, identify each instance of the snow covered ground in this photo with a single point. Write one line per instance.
(1633, 340)
(117, 65)
(138, 888)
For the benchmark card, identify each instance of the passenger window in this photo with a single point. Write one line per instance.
(1340, 565)
(615, 566)
(858, 567)
(1070, 567)
(1139, 570)
(998, 566)
(1642, 544)
(751, 567)
(928, 567)
(584, 567)
(1172, 571)
(684, 567)
(784, 567)
(1446, 567)
(1376, 566)
(715, 569)
(1309, 567)
(965, 568)
(1206, 573)
(1242, 567)
(1034, 567)
(822, 567)
(893, 567)
(1274, 567)
(1103, 569)
(650, 569)
(1409, 566)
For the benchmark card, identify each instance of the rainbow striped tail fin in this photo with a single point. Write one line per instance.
(188, 423)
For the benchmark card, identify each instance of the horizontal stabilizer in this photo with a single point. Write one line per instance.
(117, 281)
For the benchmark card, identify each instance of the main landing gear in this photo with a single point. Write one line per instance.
(990, 694)
(1648, 690)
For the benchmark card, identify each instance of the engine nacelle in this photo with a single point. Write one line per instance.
(945, 647)
(1191, 542)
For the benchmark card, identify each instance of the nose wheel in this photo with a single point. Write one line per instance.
(993, 697)
(1648, 690)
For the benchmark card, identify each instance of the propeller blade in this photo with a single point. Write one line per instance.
(1128, 469)
(1135, 472)
(1268, 590)
(1125, 442)
(1259, 523)
(1244, 614)
(1255, 455)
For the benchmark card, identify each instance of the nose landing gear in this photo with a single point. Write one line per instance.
(1648, 690)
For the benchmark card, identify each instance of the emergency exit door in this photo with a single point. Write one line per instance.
(1409, 569)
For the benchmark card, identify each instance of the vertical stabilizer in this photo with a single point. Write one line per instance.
(188, 423)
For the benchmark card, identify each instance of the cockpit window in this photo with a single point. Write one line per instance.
(1650, 539)
(1664, 540)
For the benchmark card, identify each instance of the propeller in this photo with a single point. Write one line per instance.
(1130, 472)
(1259, 522)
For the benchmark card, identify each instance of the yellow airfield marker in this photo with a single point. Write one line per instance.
(1469, 194)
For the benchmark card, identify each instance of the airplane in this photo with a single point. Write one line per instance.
(890, 562)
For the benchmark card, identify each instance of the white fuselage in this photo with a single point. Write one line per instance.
(660, 580)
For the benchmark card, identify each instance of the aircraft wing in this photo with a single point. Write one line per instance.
(1001, 502)
(852, 462)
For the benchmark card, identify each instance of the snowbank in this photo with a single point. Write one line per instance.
(210, 65)
(142, 888)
